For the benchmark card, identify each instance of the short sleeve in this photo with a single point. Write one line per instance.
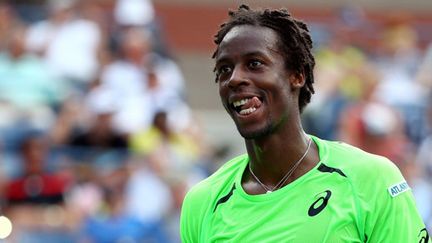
(394, 216)
(193, 213)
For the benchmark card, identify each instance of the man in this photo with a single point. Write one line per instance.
(36, 186)
(290, 186)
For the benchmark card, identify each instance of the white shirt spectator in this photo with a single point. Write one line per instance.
(70, 48)
(128, 84)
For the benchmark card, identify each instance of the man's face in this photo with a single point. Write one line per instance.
(254, 84)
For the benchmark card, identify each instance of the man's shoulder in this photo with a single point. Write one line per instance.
(340, 150)
(202, 198)
(221, 180)
(359, 163)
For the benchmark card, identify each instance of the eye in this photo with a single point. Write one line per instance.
(255, 64)
(222, 70)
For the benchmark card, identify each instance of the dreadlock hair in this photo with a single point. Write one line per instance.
(295, 41)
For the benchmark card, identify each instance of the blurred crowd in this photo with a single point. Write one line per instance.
(99, 144)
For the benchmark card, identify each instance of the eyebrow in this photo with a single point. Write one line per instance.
(249, 54)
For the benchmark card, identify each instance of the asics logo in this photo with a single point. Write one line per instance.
(320, 203)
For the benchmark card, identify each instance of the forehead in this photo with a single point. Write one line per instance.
(248, 39)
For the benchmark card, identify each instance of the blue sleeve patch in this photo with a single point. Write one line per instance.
(398, 188)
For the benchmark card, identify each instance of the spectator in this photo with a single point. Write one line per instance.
(29, 92)
(373, 125)
(25, 81)
(100, 134)
(145, 81)
(36, 185)
(127, 78)
(161, 135)
(35, 199)
(70, 44)
(398, 66)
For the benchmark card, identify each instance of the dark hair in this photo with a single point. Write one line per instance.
(295, 41)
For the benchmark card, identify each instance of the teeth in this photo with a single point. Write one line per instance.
(247, 111)
(240, 102)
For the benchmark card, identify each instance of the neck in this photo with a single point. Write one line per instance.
(273, 156)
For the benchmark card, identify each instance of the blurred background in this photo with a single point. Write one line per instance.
(109, 112)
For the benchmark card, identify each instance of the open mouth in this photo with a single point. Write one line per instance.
(246, 106)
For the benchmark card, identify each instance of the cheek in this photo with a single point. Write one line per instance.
(278, 86)
(282, 97)
(223, 89)
(223, 94)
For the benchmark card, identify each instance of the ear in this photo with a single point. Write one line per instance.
(297, 80)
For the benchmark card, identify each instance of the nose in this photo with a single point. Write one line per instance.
(238, 78)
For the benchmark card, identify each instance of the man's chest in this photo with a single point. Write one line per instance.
(321, 211)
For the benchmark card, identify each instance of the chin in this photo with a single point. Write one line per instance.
(256, 133)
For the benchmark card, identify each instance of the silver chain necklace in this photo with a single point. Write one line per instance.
(285, 177)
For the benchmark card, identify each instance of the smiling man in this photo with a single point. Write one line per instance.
(290, 186)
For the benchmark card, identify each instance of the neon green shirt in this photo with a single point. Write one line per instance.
(349, 196)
